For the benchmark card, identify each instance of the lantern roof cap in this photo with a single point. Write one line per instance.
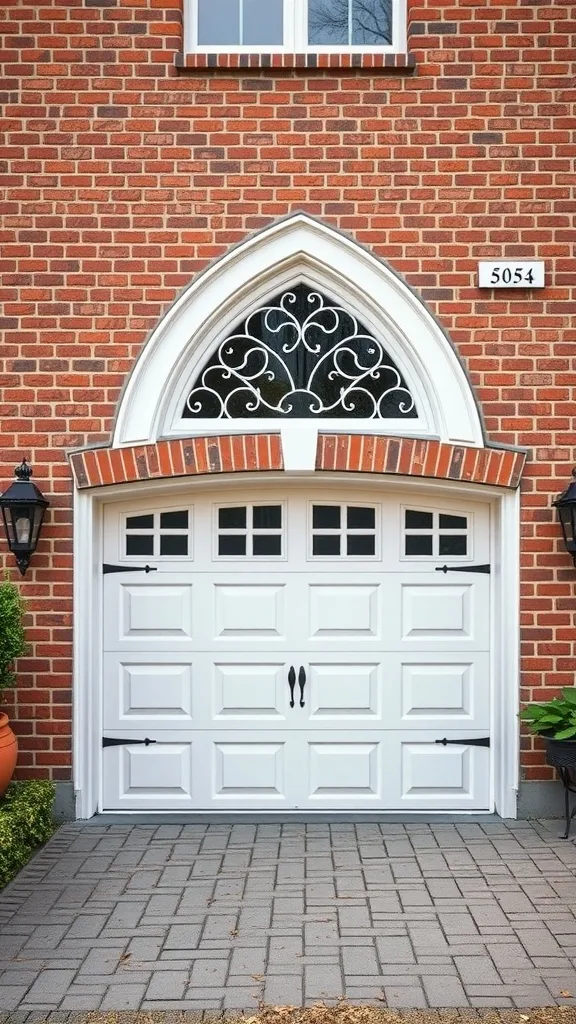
(22, 491)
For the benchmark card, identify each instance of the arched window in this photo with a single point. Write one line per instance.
(301, 355)
(342, 338)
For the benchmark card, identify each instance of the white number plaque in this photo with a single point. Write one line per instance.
(511, 274)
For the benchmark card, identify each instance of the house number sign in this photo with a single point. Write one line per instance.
(511, 274)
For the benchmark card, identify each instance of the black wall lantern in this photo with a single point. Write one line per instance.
(23, 507)
(566, 505)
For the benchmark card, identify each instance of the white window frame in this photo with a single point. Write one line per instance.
(295, 34)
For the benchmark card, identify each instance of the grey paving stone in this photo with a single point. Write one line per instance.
(123, 996)
(360, 960)
(11, 996)
(323, 982)
(395, 950)
(50, 986)
(209, 973)
(407, 996)
(444, 991)
(283, 990)
(167, 985)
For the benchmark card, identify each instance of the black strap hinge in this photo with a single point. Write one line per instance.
(109, 741)
(106, 568)
(463, 568)
(483, 741)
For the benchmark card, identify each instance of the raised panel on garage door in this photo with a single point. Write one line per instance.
(426, 612)
(150, 691)
(167, 775)
(429, 776)
(143, 613)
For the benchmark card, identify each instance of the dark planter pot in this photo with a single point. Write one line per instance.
(560, 753)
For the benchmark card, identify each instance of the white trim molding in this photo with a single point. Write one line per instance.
(296, 249)
(88, 556)
(295, 33)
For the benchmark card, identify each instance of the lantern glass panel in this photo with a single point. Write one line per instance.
(38, 520)
(567, 519)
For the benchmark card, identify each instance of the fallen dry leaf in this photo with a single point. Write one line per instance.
(125, 957)
(566, 993)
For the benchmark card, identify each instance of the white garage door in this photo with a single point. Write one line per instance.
(297, 651)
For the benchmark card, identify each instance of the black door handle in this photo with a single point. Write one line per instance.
(302, 684)
(292, 684)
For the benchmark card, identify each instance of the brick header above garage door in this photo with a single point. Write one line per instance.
(245, 453)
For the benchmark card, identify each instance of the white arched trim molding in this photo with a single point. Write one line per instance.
(298, 248)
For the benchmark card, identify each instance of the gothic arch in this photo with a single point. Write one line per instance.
(297, 250)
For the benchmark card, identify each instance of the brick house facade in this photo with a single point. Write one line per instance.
(129, 167)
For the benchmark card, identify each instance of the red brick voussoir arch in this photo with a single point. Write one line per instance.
(245, 453)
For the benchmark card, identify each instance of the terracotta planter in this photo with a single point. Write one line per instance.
(8, 752)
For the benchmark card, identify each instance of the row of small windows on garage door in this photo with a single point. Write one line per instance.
(335, 531)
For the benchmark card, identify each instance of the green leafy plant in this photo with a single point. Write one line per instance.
(12, 635)
(555, 718)
(25, 823)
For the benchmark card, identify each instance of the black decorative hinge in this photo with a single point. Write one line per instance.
(484, 741)
(108, 741)
(106, 568)
(463, 568)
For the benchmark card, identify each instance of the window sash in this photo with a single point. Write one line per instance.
(295, 34)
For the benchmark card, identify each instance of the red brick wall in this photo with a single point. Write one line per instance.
(122, 176)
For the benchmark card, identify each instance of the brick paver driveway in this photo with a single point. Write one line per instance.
(220, 916)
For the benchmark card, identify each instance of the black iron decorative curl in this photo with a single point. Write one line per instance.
(301, 355)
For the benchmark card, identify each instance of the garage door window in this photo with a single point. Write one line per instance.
(435, 534)
(340, 531)
(250, 531)
(159, 534)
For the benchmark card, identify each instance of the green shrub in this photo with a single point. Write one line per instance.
(25, 823)
(12, 636)
(555, 718)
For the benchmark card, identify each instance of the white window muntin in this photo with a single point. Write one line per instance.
(295, 34)
(435, 532)
(249, 531)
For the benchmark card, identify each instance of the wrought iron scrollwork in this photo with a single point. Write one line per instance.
(301, 355)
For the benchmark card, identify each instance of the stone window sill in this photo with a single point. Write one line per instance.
(392, 62)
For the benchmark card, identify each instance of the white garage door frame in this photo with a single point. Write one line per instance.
(504, 627)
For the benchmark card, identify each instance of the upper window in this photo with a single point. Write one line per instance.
(293, 25)
(300, 355)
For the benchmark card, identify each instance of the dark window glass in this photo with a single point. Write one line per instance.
(453, 522)
(267, 544)
(453, 545)
(174, 544)
(232, 518)
(174, 520)
(299, 355)
(418, 544)
(326, 517)
(139, 545)
(140, 523)
(326, 545)
(267, 517)
(361, 544)
(419, 520)
(231, 544)
(361, 518)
